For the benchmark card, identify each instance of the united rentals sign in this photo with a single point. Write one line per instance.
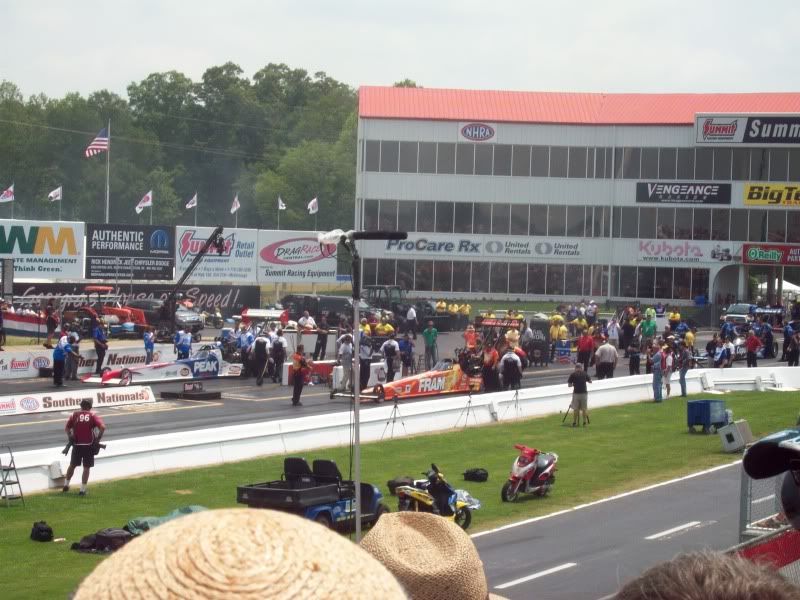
(759, 194)
(756, 130)
(771, 254)
(652, 192)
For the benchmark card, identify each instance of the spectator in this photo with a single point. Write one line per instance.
(390, 350)
(688, 337)
(720, 354)
(100, 345)
(345, 358)
(667, 366)
(752, 344)
(613, 333)
(80, 429)
(711, 346)
(684, 364)
(634, 366)
(658, 370)
(306, 322)
(431, 347)
(585, 350)
(322, 339)
(605, 360)
(647, 330)
(411, 321)
(730, 351)
(580, 394)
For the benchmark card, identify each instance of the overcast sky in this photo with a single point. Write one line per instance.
(56, 46)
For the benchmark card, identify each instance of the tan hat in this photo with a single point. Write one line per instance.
(432, 557)
(240, 553)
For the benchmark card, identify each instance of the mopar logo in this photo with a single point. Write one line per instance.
(159, 240)
(29, 403)
(41, 362)
(477, 132)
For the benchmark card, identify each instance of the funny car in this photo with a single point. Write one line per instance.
(206, 363)
(446, 377)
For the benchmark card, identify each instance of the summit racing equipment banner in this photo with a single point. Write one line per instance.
(23, 404)
(755, 130)
(683, 193)
(294, 256)
(237, 263)
(117, 251)
(771, 254)
(488, 247)
(43, 249)
(785, 194)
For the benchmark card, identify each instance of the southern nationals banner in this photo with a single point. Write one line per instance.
(23, 404)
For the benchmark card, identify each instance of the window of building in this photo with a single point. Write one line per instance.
(739, 224)
(615, 282)
(793, 227)
(557, 220)
(663, 282)
(517, 278)
(794, 165)
(483, 159)
(555, 280)
(630, 163)
(407, 216)
(426, 216)
(371, 215)
(521, 164)
(386, 271)
(627, 282)
(540, 161)
(647, 222)
(616, 221)
(444, 217)
(405, 274)
(667, 163)
(388, 215)
(369, 270)
(759, 164)
(559, 156)
(703, 164)
(649, 163)
(461, 275)
(465, 159)
(776, 229)
(500, 218)
(686, 163)
(537, 278)
(442, 276)
(699, 282)
(590, 163)
(577, 162)
(596, 280)
(629, 222)
(600, 163)
(778, 164)
(601, 221)
(757, 231)
(645, 282)
(720, 224)
(481, 218)
(665, 225)
(683, 223)
(372, 159)
(538, 225)
(389, 156)
(480, 277)
(741, 164)
(576, 221)
(502, 159)
(463, 217)
(423, 275)
(427, 157)
(408, 157)
(682, 284)
(446, 159)
(498, 280)
(519, 219)
(702, 224)
(573, 280)
(722, 164)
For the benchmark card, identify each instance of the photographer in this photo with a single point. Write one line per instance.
(80, 429)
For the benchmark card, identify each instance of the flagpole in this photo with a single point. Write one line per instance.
(195, 214)
(236, 222)
(151, 212)
(279, 218)
(60, 200)
(315, 221)
(108, 169)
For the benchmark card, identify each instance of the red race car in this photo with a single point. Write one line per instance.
(446, 377)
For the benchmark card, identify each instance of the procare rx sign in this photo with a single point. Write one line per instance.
(775, 129)
(294, 256)
(771, 254)
(483, 246)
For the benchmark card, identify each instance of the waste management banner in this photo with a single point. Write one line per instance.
(43, 249)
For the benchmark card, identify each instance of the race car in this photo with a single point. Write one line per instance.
(206, 363)
(446, 377)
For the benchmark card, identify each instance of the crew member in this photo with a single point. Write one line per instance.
(585, 350)
(245, 344)
(322, 339)
(390, 350)
(71, 364)
(411, 321)
(674, 319)
(470, 338)
(260, 357)
(80, 429)
(364, 326)
(510, 369)
(430, 335)
(489, 368)
(558, 333)
(364, 359)
(605, 360)
(306, 322)
(51, 321)
(752, 344)
(60, 352)
(300, 368)
(100, 345)
(464, 311)
(406, 354)
(384, 328)
(279, 346)
(345, 357)
(149, 344)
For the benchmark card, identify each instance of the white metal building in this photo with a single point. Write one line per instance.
(564, 196)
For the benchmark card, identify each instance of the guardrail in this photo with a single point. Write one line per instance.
(40, 469)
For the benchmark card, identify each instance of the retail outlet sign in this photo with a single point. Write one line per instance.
(236, 263)
(739, 129)
(771, 254)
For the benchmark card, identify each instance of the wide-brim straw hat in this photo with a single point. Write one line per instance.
(240, 553)
(432, 557)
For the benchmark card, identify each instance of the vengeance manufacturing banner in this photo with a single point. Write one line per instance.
(237, 263)
(116, 251)
(43, 249)
(294, 256)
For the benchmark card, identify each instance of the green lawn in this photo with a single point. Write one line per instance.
(624, 448)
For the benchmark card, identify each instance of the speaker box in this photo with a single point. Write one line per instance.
(735, 436)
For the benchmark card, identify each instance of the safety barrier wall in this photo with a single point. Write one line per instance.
(181, 450)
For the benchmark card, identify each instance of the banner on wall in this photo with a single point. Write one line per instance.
(43, 249)
(754, 130)
(237, 263)
(677, 192)
(774, 194)
(771, 254)
(23, 404)
(683, 251)
(295, 256)
(115, 251)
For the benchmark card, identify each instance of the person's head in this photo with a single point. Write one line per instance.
(392, 335)
(648, 317)
(306, 314)
(406, 336)
(363, 320)
(578, 366)
(430, 324)
(751, 333)
(86, 404)
(279, 332)
(300, 348)
(711, 576)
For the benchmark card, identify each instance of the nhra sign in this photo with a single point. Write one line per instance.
(771, 254)
(476, 132)
(742, 130)
(23, 404)
(237, 263)
(130, 251)
(43, 249)
(294, 256)
(774, 194)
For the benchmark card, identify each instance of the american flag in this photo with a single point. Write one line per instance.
(99, 144)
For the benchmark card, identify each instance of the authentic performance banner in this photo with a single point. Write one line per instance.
(130, 252)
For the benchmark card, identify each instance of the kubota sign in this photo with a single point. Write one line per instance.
(43, 249)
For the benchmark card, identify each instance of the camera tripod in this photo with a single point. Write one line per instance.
(514, 403)
(393, 416)
(468, 408)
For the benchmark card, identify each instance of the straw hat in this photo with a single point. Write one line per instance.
(240, 553)
(432, 557)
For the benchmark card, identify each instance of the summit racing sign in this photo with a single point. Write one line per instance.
(236, 264)
(771, 254)
(485, 246)
(294, 256)
(736, 129)
(43, 249)
(24, 404)
(683, 193)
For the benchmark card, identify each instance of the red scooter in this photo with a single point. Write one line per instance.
(532, 472)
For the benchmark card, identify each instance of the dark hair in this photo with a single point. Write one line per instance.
(86, 404)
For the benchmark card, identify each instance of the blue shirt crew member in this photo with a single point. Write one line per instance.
(100, 346)
(149, 346)
(788, 332)
(184, 344)
(60, 352)
(245, 344)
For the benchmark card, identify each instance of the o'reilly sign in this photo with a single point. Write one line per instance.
(655, 192)
(738, 129)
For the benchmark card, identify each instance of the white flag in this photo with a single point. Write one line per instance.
(281, 205)
(193, 202)
(313, 206)
(55, 195)
(235, 206)
(8, 195)
(146, 201)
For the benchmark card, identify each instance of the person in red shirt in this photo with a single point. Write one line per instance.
(491, 382)
(470, 338)
(80, 429)
(752, 344)
(585, 350)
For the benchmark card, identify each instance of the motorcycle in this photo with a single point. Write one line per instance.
(433, 494)
(533, 472)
